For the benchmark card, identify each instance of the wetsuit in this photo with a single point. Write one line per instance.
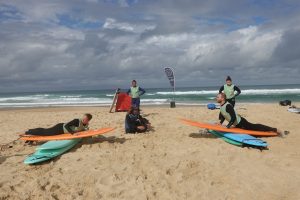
(229, 92)
(135, 93)
(73, 126)
(227, 112)
(133, 121)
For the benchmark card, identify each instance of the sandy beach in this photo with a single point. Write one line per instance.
(174, 161)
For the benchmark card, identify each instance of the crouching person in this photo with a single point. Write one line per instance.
(135, 123)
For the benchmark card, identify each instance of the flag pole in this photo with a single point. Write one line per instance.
(174, 87)
(171, 76)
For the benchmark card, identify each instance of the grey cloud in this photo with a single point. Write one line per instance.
(138, 40)
(289, 47)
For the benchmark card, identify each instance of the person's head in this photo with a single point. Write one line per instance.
(133, 83)
(134, 110)
(228, 80)
(220, 97)
(86, 118)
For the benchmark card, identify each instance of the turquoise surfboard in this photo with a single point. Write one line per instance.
(56, 144)
(47, 154)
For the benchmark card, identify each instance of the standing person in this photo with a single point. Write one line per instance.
(135, 92)
(74, 126)
(229, 90)
(228, 113)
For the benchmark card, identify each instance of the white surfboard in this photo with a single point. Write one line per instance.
(294, 110)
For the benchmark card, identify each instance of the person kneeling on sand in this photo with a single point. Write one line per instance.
(135, 123)
(228, 113)
(74, 126)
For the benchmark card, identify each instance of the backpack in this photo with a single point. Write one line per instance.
(285, 103)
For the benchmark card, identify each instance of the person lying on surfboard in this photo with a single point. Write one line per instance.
(74, 126)
(228, 89)
(135, 123)
(135, 92)
(228, 113)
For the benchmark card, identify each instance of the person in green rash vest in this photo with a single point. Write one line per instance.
(229, 90)
(228, 113)
(73, 127)
(135, 92)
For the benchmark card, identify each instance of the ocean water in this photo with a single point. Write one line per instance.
(153, 96)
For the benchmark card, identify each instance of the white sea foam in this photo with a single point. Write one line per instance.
(244, 92)
(159, 98)
(154, 100)
(187, 92)
(31, 101)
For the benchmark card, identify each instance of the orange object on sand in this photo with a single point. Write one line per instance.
(68, 136)
(228, 130)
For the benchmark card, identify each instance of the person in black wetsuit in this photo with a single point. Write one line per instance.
(74, 126)
(228, 113)
(135, 123)
(229, 90)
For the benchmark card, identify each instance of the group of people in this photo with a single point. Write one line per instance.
(135, 123)
(226, 99)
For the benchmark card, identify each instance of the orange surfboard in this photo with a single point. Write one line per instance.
(228, 130)
(68, 136)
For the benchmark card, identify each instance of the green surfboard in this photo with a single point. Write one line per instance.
(220, 135)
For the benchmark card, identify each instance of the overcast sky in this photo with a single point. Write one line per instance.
(98, 44)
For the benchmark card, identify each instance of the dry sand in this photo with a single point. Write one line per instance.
(172, 162)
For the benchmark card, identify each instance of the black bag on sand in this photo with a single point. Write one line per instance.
(285, 103)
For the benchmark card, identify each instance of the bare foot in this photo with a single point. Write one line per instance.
(286, 132)
(282, 133)
(29, 142)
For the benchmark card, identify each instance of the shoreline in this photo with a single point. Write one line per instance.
(167, 105)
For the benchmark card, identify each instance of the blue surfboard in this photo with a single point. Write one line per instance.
(246, 139)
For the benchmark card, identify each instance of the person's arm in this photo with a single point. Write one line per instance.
(144, 120)
(128, 91)
(141, 91)
(221, 118)
(238, 91)
(221, 89)
(74, 122)
(230, 110)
